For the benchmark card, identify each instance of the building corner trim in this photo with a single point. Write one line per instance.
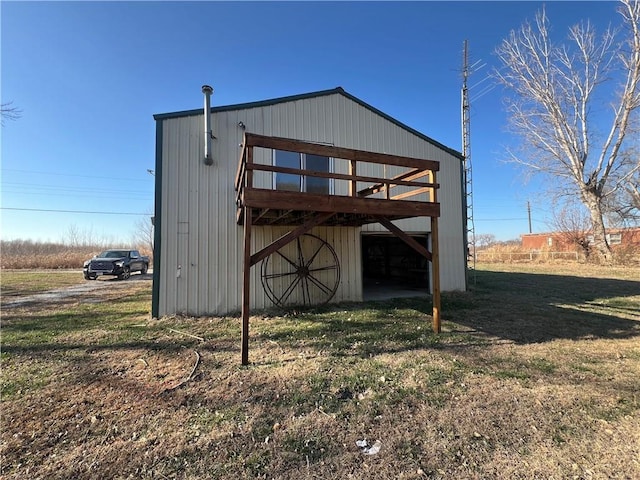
(157, 226)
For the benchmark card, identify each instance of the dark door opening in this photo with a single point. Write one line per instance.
(392, 268)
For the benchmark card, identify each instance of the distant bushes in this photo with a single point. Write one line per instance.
(517, 254)
(27, 254)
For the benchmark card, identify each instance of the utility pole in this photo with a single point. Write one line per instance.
(469, 229)
(529, 214)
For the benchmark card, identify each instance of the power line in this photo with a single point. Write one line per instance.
(71, 211)
(81, 195)
(59, 186)
(500, 219)
(141, 179)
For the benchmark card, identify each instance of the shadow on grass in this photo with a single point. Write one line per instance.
(532, 308)
(518, 307)
(364, 330)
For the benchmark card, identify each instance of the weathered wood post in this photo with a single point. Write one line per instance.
(246, 263)
(435, 261)
(353, 184)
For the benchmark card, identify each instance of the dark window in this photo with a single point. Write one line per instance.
(317, 164)
(298, 183)
(287, 181)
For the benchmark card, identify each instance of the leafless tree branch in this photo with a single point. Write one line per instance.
(9, 112)
(554, 110)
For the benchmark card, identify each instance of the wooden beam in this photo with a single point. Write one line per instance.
(411, 193)
(291, 145)
(275, 220)
(261, 214)
(386, 223)
(332, 175)
(288, 237)
(381, 187)
(405, 178)
(246, 286)
(249, 165)
(353, 189)
(283, 200)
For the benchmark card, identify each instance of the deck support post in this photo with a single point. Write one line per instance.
(246, 266)
(353, 184)
(435, 261)
(246, 286)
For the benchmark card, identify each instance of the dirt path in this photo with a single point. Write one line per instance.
(89, 292)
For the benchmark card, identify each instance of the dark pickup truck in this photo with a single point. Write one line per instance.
(120, 263)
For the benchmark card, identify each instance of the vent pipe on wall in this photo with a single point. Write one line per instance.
(208, 134)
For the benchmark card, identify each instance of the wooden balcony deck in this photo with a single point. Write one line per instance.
(359, 207)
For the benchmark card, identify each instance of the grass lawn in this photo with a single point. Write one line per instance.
(536, 375)
(17, 283)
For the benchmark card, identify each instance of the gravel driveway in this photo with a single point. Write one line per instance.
(89, 292)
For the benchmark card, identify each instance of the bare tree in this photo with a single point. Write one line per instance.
(624, 207)
(73, 236)
(485, 240)
(555, 110)
(573, 225)
(143, 234)
(9, 112)
(76, 237)
(634, 194)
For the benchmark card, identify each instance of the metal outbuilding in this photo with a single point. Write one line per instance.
(258, 159)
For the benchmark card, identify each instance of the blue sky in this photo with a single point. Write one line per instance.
(88, 76)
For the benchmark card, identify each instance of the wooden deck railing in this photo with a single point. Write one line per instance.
(417, 169)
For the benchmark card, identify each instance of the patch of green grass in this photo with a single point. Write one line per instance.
(513, 367)
(15, 283)
(262, 427)
(516, 374)
(18, 381)
(120, 317)
(257, 462)
(563, 433)
(624, 405)
(204, 418)
(542, 365)
(308, 446)
(583, 367)
(633, 354)
(364, 330)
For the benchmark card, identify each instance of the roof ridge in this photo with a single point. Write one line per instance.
(302, 96)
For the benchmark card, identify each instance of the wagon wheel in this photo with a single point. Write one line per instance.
(303, 272)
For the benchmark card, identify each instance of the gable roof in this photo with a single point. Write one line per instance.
(321, 93)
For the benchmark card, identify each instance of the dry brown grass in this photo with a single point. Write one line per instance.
(535, 376)
(29, 255)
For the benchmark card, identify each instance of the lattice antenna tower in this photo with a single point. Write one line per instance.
(470, 234)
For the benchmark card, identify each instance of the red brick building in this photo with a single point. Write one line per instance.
(560, 241)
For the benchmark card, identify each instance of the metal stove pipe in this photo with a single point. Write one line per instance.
(208, 134)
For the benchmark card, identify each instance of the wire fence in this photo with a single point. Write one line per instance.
(541, 256)
(531, 256)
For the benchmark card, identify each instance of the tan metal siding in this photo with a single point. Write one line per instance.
(199, 232)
